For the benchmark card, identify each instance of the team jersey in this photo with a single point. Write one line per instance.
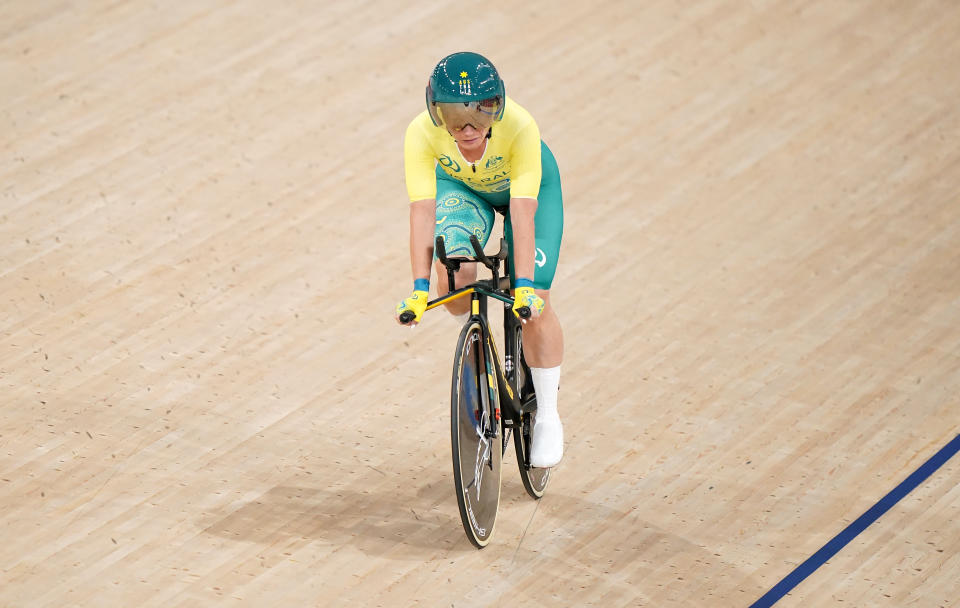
(511, 160)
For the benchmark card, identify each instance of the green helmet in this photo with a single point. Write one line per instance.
(464, 89)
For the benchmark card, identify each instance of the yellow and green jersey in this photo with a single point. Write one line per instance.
(511, 161)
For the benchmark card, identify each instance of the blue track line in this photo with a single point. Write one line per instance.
(850, 532)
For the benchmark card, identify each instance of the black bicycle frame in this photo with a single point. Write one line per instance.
(496, 288)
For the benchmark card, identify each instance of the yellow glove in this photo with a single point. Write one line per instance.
(525, 296)
(416, 303)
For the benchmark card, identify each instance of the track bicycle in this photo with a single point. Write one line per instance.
(490, 400)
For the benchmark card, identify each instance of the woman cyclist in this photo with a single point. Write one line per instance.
(474, 149)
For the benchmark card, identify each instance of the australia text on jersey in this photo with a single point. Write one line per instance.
(497, 181)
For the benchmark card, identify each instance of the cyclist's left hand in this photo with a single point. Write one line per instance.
(526, 296)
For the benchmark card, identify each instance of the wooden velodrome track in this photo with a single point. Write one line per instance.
(206, 400)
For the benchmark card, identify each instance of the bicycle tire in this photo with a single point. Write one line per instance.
(534, 479)
(474, 435)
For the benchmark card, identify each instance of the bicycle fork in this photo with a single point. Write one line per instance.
(489, 418)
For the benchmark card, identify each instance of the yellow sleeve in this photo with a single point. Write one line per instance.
(418, 162)
(525, 161)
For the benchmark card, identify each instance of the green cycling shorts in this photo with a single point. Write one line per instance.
(462, 211)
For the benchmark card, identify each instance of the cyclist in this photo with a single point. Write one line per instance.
(471, 150)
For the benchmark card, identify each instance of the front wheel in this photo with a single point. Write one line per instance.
(477, 444)
(534, 479)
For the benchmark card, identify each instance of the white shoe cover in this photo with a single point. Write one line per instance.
(547, 448)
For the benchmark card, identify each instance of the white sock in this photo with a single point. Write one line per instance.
(546, 381)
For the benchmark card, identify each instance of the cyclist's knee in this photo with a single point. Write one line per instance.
(465, 276)
(459, 308)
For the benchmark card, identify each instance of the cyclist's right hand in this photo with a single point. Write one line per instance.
(410, 309)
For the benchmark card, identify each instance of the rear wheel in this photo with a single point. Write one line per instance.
(477, 444)
(534, 480)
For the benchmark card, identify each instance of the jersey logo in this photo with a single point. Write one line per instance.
(451, 164)
(493, 163)
(541, 258)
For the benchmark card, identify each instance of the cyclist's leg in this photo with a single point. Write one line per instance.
(460, 213)
(543, 337)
